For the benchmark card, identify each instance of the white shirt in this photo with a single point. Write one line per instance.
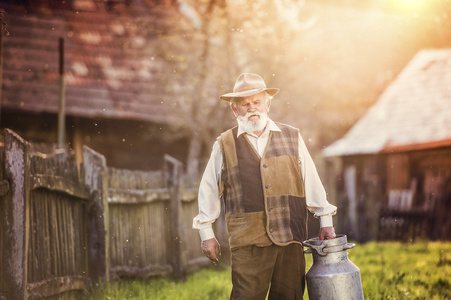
(210, 204)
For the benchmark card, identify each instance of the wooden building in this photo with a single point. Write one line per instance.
(120, 58)
(391, 173)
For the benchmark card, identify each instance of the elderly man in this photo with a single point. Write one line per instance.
(264, 174)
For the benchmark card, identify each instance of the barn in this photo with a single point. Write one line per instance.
(390, 175)
(118, 78)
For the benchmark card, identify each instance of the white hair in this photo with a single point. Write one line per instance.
(268, 96)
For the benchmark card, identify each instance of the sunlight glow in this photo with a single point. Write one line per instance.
(409, 5)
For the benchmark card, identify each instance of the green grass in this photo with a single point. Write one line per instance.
(404, 271)
(388, 270)
(211, 283)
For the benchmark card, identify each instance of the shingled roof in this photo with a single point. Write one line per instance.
(112, 61)
(413, 113)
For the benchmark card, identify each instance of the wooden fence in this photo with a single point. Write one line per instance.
(52, 229)
(66, 226)
(151, 215)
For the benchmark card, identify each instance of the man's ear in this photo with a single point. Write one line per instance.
(268, 103)
(235, 110)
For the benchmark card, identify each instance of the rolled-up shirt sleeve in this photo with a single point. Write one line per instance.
(208, 198)
(315, 193)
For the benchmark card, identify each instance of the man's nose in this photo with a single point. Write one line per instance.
(251, 107)
(251, 110)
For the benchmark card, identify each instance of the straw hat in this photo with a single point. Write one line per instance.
(248, 84)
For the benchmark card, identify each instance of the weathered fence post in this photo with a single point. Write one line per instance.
(15, 216)
(97, 209)
(173, 169)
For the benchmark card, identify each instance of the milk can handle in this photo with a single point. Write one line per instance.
(348, 246)
(319, 249)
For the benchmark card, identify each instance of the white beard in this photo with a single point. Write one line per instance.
(253, 126)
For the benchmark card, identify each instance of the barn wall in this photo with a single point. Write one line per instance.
(401, 196)
(432, 170)
(115, 139)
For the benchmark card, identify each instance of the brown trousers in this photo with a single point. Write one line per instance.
(279, 269)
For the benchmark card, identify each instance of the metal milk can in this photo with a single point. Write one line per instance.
(332, 275)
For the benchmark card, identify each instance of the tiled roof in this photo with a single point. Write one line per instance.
(112, 65)
(413, 113)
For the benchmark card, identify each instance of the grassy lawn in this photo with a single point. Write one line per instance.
(389, 270)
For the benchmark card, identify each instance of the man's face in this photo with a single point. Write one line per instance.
(251, 104)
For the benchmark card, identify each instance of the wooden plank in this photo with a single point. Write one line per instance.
(189, 195)
(97, 213)
(35, 241)
(14, 219)
(142, 237)
(113, 235)
(56, 285)
(134, 179)
(31, 243)
(60, 184)
(191, 245)
(54, 240)
(147, 236)
(134, 196)
(174, 169)
(46, 252)
(62, 225)
(71, 240)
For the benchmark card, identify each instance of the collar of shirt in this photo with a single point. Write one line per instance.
(270, 126)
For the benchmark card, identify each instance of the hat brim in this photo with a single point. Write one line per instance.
(230, 96)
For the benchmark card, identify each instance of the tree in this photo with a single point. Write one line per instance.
(231, 43)
(331, 62)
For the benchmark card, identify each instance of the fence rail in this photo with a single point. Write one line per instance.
(66, 226)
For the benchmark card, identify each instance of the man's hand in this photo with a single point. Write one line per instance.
(327, 233)
(211, 249)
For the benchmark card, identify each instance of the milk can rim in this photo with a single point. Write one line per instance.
(340, 239)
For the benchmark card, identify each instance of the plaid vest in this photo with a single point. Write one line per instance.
(264, 196)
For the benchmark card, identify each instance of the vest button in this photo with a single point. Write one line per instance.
(267, 186)
(271, 230)
(265, 166)
(269, 208)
